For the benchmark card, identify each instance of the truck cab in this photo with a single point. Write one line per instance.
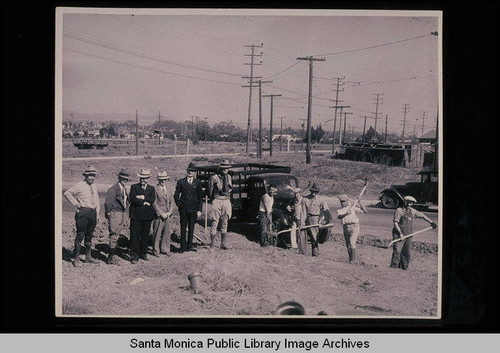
(250, 183)
(257, 185)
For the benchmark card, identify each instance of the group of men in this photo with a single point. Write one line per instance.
(310, 212)
(149, 206)
(153, 206)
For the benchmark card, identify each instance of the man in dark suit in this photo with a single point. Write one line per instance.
(188, 197)
(142, 213)
(117, 200)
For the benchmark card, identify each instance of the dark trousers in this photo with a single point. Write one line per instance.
(139, 236)
(86, 220)
(188, 220)
(264, 228)
(401, 253)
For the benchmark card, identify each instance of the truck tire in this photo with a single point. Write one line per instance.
(389, 201)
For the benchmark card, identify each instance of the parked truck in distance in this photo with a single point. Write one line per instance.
(425, 192)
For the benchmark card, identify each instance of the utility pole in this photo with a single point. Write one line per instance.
(159, 128)
(385, 136)
(309, 105)
(259, 142)
(192, 128)
(345, 123)
(341, 107)
(406, 110)
(136, 133)
(377, 103)
(281, 129)
(251, 77)
(206, 127)
(337, 90)
(271, 122)
(364, 129)
(423, 121)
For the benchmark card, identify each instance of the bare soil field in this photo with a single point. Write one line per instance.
(249, 280)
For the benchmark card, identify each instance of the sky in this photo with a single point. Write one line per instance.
(184, 63)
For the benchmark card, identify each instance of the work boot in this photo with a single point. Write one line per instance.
(315, 250)
(353, 255)
(111, 257)
(223, 241)
(76, 256)
(88, 256)
(212, 240)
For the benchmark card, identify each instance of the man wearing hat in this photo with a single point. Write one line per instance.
(403, 225)
(142, 213)
(117, 201)
(297, 215)
(188, 197)
(312, 208)
(219, 190)
(266, 214)
(83, 195)
(350, 223)
(163, 208)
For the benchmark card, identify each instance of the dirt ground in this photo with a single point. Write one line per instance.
(248, 279)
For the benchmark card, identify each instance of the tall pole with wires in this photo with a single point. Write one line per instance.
(271, 121)
(377, 103)
(136, 133)
(309, 105)
(336, 106)
(251, 78)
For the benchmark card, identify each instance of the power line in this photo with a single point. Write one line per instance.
(117, 48)
(150, 69)
(375, 46)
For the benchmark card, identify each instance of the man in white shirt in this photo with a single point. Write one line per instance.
(83, 195)
(266, 213)
(350, 223)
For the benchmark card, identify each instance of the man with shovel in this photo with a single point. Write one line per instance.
(403, 225)
(312, 207)
(350, 223)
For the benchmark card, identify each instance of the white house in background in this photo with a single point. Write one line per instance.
(285, 137)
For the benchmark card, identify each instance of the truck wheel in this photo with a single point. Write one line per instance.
(389, 201)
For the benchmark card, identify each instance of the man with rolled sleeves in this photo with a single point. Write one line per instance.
(403, 225)
(350, 223)
(83, 195)
(312, 207)
(219, 190)
(117, 201)
(142, 213)
(188, 197)
(163, 208)
(266, 214)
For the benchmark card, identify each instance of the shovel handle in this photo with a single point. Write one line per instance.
(409, 235)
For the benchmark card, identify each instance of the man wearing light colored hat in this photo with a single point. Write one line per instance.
(163, 208)
(312, 207)
(117, 201)
(83, 195)
(403, 225)
(142, 213)
(350, 223)
(219, 190)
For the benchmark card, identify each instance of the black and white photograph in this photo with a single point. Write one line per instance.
(248, 163)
